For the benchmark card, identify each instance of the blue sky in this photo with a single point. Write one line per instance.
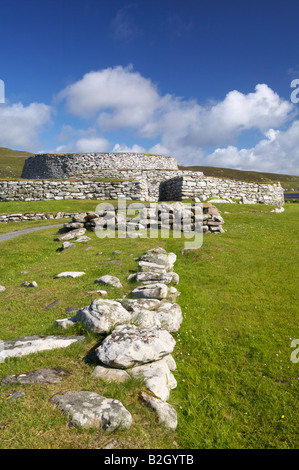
(208, 82)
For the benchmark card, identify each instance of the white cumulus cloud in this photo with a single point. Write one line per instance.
(20, 125)
(277, 153)
(118, 148)
(119, 98)
(92, 144)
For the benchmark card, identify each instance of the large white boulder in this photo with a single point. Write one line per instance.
(129, 346)
(151, 291)
(101, 315)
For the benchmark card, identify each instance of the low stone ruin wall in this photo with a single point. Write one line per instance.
(36, 216)
(180, 217)
(39, 190)
(153, 178)
(188, 186)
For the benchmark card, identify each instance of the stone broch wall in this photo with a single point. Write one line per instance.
(65, 165)
(144, 178)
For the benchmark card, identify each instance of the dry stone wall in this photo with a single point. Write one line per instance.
(65, 165)
(153, 178)
(187, 186)
(38, 190)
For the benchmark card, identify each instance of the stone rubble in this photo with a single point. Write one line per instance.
(138, 344)
(109, 280)
(31, 344)
(178, 216)
(165, 412)
(157, 377)
(72, 274)
(40, 376)
(111, 375)
(90, 410)
(101, 315)
(129, 345)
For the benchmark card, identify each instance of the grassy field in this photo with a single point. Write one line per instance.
(12, 162)
(78, 205)
(51, 207)
(237, 387)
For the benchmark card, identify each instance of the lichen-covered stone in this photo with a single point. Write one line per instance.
(101, 315)
(32, 344)
(40, 376)
(165, 412)
(157, 377)
(90, 410)
(129, 346)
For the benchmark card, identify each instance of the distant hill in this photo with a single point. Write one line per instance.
(286, 181)
(11, 162)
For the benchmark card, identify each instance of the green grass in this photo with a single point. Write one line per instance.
(52, 206)
(77, 205)
(239, 296)
(12, 162)
(17, 226)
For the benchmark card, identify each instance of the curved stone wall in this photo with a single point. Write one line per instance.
(65, 165)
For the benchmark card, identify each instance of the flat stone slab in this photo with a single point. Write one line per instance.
(165, 412)
(67, 245)
(32, 344)
(72, 274)
(166, 260)
(147, 266)
(73, 225)
(111, 375)
(70, 235)
(109, 280)
(136, 305)
(151, 291)
(65, 322)
(16, 395)
(40, 376)
(90, 410)
(52, 305)
(99, 293)
(156, 251)
(157, 377)
(129, 346)
(165, 278)
(83, 239)
(101, 315)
